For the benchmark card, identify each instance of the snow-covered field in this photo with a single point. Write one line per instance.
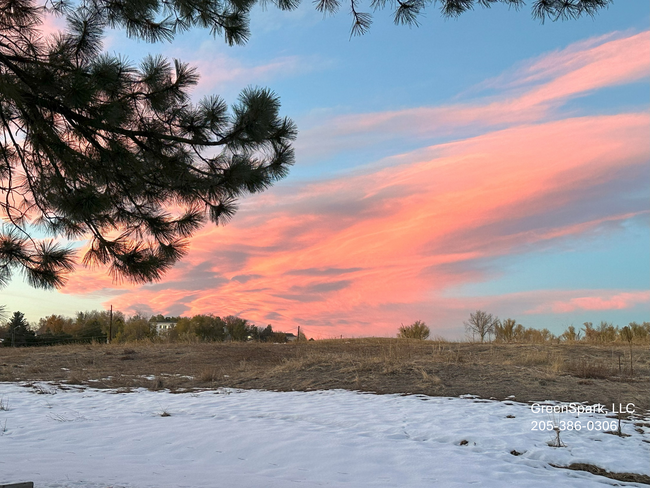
(82, 437)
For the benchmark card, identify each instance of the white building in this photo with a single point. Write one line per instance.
(162, 328)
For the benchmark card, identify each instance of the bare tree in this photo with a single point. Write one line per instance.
(481, 323)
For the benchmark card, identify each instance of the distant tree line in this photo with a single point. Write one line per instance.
(210, 328)
(483, 325)
(96, 326)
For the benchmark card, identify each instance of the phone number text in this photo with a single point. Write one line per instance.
(589, 425)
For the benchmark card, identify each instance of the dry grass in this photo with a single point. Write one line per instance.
(209, 375)
(565, 372)
(588, 368)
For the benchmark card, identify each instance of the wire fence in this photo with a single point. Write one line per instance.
(298, 333)
(41, 340)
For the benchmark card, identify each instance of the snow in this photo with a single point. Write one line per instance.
(84, 437)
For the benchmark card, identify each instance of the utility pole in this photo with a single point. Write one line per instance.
(110, 327)
(298, 338)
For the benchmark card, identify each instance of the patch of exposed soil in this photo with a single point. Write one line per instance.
(590, 468)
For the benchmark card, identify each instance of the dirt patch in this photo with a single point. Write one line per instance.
(523, 372)
(590, 468)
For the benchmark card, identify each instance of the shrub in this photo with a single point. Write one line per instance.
(505, 332)
(417, 330)
(640, 332)
(570, 335)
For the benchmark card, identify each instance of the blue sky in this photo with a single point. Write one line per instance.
(399, 202)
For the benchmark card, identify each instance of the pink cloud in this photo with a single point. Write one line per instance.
(359, 255)
(554, 64)
(613, 63)
(52, 24)
(594, 300)
(218, 69)
(526, 95)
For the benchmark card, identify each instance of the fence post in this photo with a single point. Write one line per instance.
(110, 327)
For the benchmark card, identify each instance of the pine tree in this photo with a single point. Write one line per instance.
(18, 332)
(94, 147)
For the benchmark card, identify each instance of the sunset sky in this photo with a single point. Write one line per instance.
(488, 162)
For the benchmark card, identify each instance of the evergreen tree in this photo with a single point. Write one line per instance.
(18, 333)
(95, 147)
(265, 334)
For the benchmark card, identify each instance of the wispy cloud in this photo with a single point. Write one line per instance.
(527, 94)
(593, 300)
(553, 65)
(220, 71)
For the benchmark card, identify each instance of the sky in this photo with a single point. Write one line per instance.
(487, 162)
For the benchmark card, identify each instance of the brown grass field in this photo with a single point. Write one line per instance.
(561, 372)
